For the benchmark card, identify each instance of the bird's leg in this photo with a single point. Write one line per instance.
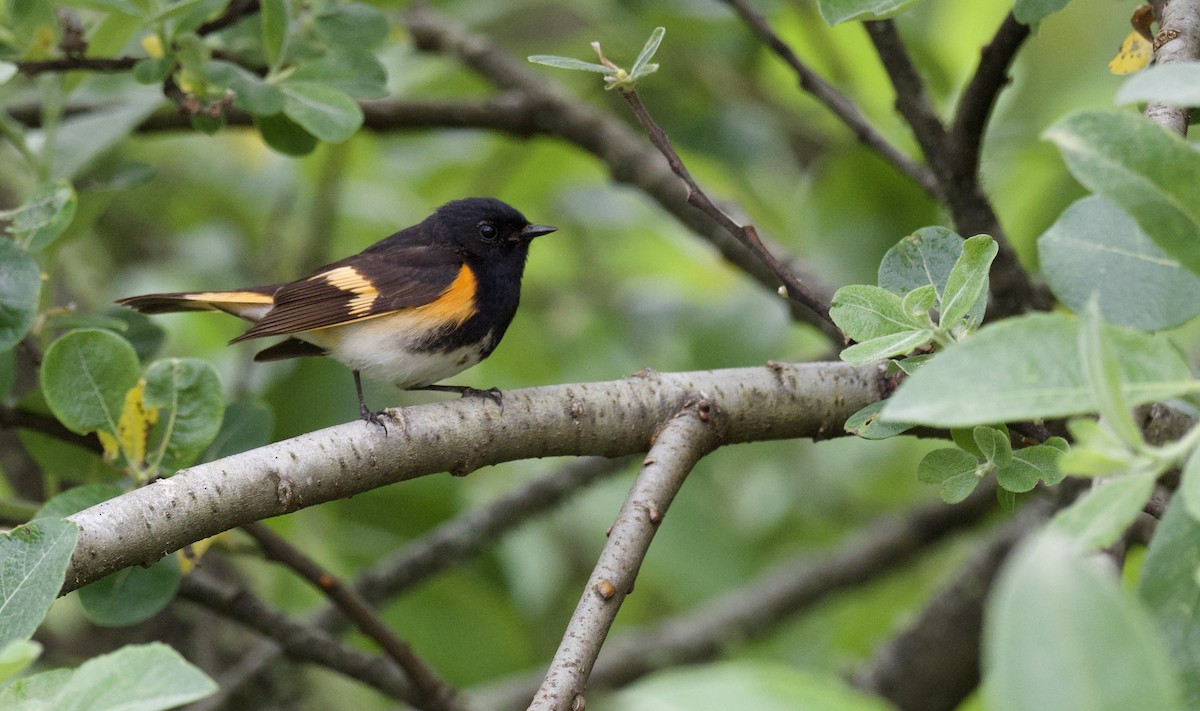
(373, 417)
(492, 394)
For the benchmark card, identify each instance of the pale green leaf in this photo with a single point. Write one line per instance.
(321, 110)
(1099, 517)
(33, 561)
(837, 11)
(551, 60)
(1029, 367)
(1097, 248)
(20, 290)
(85, 375)
(887, 346)
(864, 312)
(1150, 172)
(1031, 12)
(1177, 84)
(968, 280)
(1060, 634)
(1167, 587)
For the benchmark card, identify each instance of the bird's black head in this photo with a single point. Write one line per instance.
(486, 227)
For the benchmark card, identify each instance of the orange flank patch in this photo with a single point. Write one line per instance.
(348, 279)
(454, 305)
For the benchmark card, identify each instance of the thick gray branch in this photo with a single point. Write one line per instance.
(615, 418)
(1177, 41)
(682, 442)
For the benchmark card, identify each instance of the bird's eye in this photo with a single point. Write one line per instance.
(487, 231)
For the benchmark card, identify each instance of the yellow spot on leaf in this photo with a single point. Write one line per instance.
(189, 556)
(133, 429)
(153, 46)
(1135, 55)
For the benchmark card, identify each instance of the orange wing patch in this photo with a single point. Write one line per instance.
(454, 305)
(349, 279)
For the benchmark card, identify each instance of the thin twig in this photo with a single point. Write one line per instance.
(746, 234)
(237, 11)
(104, 65)
(433, 691)
(837, 102)
(680, 443)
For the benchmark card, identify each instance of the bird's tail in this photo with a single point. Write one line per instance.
(249, 304)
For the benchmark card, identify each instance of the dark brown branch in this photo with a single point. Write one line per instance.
(948, 154)
(16, 418)
(302, 643)
(837, 103)
(980, 94)
(934, 663)
(752, 610)
(237, 11)
(107, 65)
(433, 692)
(746, 234)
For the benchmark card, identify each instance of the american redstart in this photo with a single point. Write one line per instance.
(414, 308)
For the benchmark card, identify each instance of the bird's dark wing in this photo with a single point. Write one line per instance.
(371, 284)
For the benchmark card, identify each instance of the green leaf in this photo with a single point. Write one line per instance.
(1177, 84)
(153, 70)
(8, 70)
(18, 655)
(131, 595)
(352, 24)
(354, 71)
(641, 65)
(864, 312)
(142, 332)
(285, 135)
(44, 215)
(918, 302)
(251, 93)
(1028, 367)
(755, 685)
(7, 365)
(887, 346)
(1098, 451)
(188, 395)
(1145, 169)
(85, 375)
(1031, 12)
(1096, 248)
(955, 470)
(78, 498)
(1167, 587)
(1028, 466)
(993, 443)
(321, 110)
(82, 139)
(838, 11)
(275, 16)
(1060, 634)
(1099, 517)
(20, 289)
(551, 60)
(1104, 376)
(33, 563)
(1189, 485)
(927, 256)
(148, 677)
(865, 423)
(966, 287)
(247, 424)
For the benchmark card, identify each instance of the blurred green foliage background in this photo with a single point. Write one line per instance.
(619, 288)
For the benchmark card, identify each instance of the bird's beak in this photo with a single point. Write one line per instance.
(532, 231)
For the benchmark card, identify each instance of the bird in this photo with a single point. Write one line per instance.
(415, 308)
